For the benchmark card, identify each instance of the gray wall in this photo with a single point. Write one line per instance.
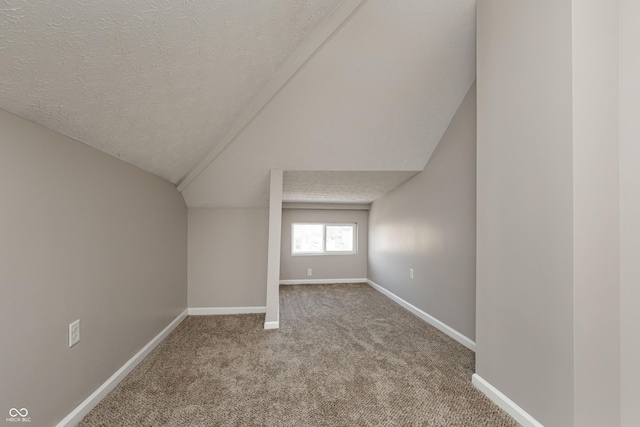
(84, 236)
(428, 224)
(524, 342)
(228, 257)
(596, 213)
(549, 208)
(630, 210)
(324, 266)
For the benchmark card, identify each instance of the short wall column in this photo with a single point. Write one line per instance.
(272, 319)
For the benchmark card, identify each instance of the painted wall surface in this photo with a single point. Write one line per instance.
(596, 213)
(272, 316)
(630, 210)
(378, 95)
(84, 236)
(524, 300)
(428, 224)
(324, 266)
(228, 257)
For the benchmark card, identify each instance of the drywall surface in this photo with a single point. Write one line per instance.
(428, 224)
(228, 257)
(630, 210)
(596, 213)
(324, 266)
(156, 84)
(84, 236)
(340, 186)
(377, 96)
(273, 253)
(524, 293)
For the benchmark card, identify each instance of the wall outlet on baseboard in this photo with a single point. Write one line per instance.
(411, 273)
(309, 272)
(74, 333)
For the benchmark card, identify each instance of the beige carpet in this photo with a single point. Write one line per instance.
(344, 355)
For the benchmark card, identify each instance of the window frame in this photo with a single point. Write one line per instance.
(324, 225)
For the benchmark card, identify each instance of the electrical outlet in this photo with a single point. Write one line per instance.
(309, 272)
(74, 333)
(411, 273)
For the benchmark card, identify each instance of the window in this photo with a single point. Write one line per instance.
(323, 239)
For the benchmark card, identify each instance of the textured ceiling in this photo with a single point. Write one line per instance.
(378, 96)
(340, 186)
(155, 83)
(162, 84)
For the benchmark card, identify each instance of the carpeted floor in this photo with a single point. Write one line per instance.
(344, 355)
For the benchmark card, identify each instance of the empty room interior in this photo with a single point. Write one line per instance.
(320, 212)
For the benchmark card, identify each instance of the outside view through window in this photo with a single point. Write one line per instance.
(339, 238)
(312, 239)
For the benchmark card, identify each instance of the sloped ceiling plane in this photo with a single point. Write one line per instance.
(213, 95)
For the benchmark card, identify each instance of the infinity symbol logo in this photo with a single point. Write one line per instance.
(13, 412)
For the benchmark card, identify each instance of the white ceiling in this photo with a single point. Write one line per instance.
(340, 186)
(221, 92)
(154, 83)
(377, 96)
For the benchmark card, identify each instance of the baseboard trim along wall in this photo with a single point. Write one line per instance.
(212, 311)
(90, 402)
(471, 345)
(321, 281)
(506, 404)
(272, 325)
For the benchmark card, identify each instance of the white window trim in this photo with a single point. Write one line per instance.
(324, 239)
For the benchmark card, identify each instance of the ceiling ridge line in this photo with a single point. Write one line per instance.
(325, 31)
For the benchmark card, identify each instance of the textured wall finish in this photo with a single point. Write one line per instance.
(377, 97)
(340, 186)
(153, 83)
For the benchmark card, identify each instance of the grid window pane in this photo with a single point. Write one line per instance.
(340, 238)
(308, 238)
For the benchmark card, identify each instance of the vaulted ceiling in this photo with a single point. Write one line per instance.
(211, 95)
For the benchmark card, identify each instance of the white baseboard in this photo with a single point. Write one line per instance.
(506, 404)
(471, 345)
(209, 311)
(90, 402)
(321, 281)
(272, 325)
